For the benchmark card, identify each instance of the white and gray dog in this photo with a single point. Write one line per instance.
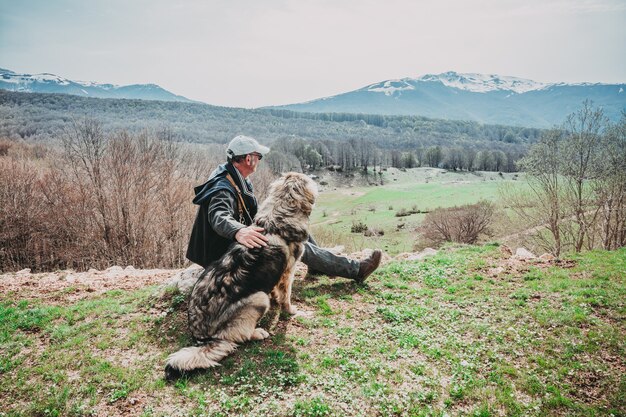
(232, 294)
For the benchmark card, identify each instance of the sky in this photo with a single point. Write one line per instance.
(252, 53)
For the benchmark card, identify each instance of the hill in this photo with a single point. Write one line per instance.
(46, 116)
(478, 97)
(470, 331)
(50, 83)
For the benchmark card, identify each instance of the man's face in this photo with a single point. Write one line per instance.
(253, 160)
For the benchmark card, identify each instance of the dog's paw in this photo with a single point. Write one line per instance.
(260, 334)
(290, 309)
(172, 374)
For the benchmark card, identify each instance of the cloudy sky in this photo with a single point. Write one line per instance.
(250, 53)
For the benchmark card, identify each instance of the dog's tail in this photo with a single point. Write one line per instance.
(197, 357)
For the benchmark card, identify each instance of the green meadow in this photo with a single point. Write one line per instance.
(468, 332)
(415, 190)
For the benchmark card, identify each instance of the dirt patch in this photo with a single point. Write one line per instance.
(67, 287)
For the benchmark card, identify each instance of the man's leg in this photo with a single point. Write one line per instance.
(323, 261)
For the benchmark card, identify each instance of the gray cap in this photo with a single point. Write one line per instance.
(243, 145)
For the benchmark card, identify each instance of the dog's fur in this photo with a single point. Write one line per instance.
(232, 294)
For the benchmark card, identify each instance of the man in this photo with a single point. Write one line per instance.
(227, 209)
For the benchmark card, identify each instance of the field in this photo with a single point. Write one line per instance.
(470, 331)
(344, 204)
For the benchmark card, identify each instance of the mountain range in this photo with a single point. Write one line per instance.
(485, 98)
(50, 83)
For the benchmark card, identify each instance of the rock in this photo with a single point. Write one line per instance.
(505, 250)
(129, 268)
(522, 253)
(547, 257)
(417, 256)
(428, 252)
(185, 280)
(494, 272)
(115, 268)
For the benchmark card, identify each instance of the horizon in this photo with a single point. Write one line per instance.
(237, 55)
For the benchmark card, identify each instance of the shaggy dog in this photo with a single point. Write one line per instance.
(232, 294)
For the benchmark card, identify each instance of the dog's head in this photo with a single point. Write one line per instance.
(295, 192)
(288, 205)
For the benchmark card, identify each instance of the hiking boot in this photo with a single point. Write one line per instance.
(368, 266)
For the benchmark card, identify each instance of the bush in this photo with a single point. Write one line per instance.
(374, 232)
(107, 199)
(462, 224)
(407, 212)
(359, 227)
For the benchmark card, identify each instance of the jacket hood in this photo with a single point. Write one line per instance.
(205, 191)
(217, 181)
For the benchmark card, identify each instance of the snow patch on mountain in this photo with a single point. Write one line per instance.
(391, 86)
(11, 77)
(483, 83)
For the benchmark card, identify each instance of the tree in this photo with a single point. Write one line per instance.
(434, 156)
(580, 153)
(577, 178)
(610, 186)
(499, 160)
(453, 159)
(545, 208)
(85, 147)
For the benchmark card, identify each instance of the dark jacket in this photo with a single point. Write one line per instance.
(218, 218)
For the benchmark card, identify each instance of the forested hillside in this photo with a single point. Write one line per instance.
(44, 117)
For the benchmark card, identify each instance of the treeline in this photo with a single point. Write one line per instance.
(292, 153)
(44, 117)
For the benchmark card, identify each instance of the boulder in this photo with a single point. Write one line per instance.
(417, 256)
(186, 279)
(523, 253)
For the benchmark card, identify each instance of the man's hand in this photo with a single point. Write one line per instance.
(251, 237)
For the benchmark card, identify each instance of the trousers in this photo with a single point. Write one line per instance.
(323, 261)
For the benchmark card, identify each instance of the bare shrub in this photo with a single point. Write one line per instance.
(403, 212)
(138, 209)
(462, 224)
(120, 199)
(21, 211)
(374, 232)
(4, 147)
(358, 227)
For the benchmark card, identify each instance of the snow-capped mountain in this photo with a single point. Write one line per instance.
(50, 83)
(477, 83)
(486, 98)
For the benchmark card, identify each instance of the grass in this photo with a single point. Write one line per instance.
(431, 338)
(419, 189)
